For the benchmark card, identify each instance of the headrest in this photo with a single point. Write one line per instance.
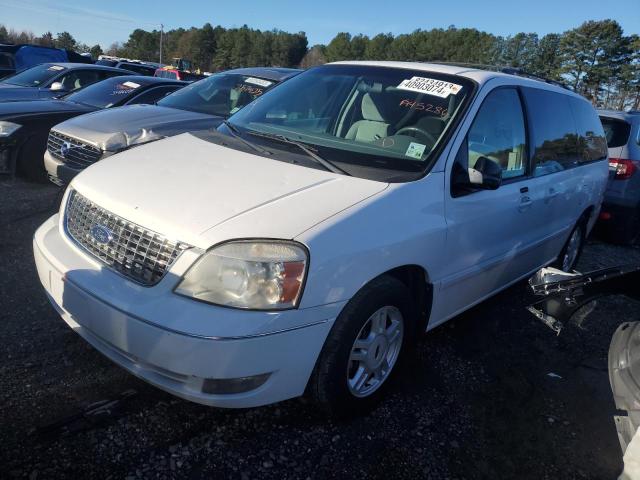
(372, 107)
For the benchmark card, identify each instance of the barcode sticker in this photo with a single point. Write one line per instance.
(430, 86)
(258, 81)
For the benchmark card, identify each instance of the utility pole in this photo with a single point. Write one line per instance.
(161, 33)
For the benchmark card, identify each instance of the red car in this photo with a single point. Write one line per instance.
(175, 74)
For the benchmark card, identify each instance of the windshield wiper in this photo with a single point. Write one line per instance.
(302, 146)
(235, 133)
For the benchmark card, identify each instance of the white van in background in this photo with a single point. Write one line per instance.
(305, 244)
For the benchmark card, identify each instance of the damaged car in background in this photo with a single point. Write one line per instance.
(566, 299)
(200, 106)
(25, 125)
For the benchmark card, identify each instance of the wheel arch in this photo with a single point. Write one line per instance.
(588, 218)
(417, 280)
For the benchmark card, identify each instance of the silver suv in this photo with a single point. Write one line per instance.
(620, 216)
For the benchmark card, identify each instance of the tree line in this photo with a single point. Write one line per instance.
(596, 59)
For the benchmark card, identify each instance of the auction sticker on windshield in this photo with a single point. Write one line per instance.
(258, 81)
(131, 84)
(430, 86)
(124, 88)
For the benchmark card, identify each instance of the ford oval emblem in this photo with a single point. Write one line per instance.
(101, 234)
(64, 149)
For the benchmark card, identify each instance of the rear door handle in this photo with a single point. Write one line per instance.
(525, 203)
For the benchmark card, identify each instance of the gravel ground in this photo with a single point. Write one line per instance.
(480, 404)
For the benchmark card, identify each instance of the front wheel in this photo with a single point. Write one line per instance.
(30, 160)
(365, 347)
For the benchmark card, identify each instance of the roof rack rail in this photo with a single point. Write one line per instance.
(522, 73)
(508, 70)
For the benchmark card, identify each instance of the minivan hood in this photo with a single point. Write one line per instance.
(115, 129)
(201, 193)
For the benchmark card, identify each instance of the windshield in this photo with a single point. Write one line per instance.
(373, 122)
(106, 93)
(35, 76)
(222, 94)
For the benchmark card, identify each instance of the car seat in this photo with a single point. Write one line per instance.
(373, 125)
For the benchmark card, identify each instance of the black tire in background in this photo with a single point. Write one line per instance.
(30, 159)
(328, 385)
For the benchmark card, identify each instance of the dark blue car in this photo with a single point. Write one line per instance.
(51, 80)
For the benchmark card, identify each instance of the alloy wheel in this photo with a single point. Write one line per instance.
(375, 351)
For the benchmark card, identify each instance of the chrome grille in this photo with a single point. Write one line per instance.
(73, 152)
(131, 250)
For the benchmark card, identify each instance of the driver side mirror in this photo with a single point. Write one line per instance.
(57, 87)
(485, 175)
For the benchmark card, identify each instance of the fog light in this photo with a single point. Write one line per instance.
(226, 386)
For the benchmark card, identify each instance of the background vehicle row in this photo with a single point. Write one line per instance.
(25, 125)
(620, 218)
(199, 106)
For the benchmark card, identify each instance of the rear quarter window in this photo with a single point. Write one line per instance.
(616, 131)
(592, 143)
(553, 131)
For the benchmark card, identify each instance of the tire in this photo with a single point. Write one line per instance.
(570, 253)
(333, 384)
(30, 160)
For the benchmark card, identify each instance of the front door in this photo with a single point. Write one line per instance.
(492, 234)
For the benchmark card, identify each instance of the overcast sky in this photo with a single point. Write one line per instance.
(103, 22)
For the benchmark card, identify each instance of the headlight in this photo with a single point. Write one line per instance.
(7, 128)
(251, 274)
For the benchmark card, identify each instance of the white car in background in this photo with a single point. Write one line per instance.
(305, 244)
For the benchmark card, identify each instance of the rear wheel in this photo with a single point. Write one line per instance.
(572, 250)
(365, 347)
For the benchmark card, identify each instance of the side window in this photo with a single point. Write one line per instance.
(553, 131)
(77, 79)
(498, 133)
(592, 143)
(153, 95)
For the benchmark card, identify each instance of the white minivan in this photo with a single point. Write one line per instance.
(303, 245)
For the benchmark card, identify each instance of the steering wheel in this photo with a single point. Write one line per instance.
(417, 131)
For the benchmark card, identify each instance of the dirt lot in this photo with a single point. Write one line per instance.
(479, 403)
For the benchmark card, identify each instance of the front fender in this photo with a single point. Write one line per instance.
(404, 225)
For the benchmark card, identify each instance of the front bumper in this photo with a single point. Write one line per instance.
(58, 172)
(175, 343)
